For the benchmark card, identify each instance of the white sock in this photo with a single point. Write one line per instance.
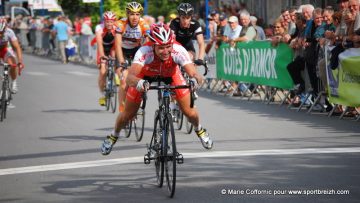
(115, 134)
(172, 105)
(198, 128)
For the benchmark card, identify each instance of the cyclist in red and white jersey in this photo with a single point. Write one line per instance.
(8, 42)
(131, 32)
(105, 39)
(159, 58)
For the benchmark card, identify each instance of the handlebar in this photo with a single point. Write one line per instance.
(171, 87)
(202, 63)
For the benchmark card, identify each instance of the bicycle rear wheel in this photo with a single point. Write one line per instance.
(180, 119)
(170, 155)
(189, 126)
(159, 156)
(127, 129)
(139, 124)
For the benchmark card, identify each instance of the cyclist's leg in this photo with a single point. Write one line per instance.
(183, 99)
(132, 105)
(10, 58)
(122, 88)
(101, 79)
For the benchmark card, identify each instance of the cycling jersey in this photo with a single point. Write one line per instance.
(186, 35)
(153, 68)
(6, 50)
(132, 36)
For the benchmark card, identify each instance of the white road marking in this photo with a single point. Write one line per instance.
(36, 73)
(79, 73)
(210, 154)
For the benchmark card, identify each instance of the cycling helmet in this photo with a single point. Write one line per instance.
(108, 15)
(3, 24)
(185, 9)
(161, 34)
(134, 7)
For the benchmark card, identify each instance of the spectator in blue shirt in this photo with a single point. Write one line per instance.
(61, 31)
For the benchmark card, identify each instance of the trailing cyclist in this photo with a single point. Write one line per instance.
(131, 32)
(8, 37)
(186, 29)
(159, 59)
(105, 39)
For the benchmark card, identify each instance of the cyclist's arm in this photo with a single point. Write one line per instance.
(201, 42)
(132, 79)
(99, 42)
(118, 48)
(192, 73)
(15, 44)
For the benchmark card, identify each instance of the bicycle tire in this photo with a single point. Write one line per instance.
(113, 98)
(107, 94)
(189, 126)
(158, 161)
(127, 129)
(179, 120)
(3, 103)
(170, 155)
(139, 124)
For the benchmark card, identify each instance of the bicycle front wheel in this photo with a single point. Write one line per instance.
(170, 155)
(113, 98)
(139, 124)
(159, 155)
(4, 100)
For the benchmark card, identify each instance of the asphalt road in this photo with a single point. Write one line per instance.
(50, 149)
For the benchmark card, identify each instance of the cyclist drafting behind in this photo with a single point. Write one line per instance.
(131, 32)
(186, 29)
(159, 58)
(7, 36)
(105, 39)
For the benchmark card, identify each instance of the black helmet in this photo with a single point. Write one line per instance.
(185, 9)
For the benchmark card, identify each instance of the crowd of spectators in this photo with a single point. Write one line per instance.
(307, 30)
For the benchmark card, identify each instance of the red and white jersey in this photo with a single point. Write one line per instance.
(153, 66)
(8, 36)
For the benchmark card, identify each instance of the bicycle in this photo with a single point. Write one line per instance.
(138, 122)
(111, 88)
(179, 116)
(162, 148)
(6, 95)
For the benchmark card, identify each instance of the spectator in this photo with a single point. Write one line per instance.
(221, 29)
(160, 19)
(298, 64)
(85, 27)
(354, 9)
(259, 30)
(61, 31)
(292, 26)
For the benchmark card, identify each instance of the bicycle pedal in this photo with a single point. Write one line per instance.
(146, 159)
(179, 158)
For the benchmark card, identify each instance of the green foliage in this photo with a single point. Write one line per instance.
(74, 8)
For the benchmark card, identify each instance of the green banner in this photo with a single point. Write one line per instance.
(344, 82)
(255, 62)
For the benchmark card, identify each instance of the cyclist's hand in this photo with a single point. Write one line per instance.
(21, 67)
(142, 86)
(196, 82)
(123, 65)
(199, 62)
